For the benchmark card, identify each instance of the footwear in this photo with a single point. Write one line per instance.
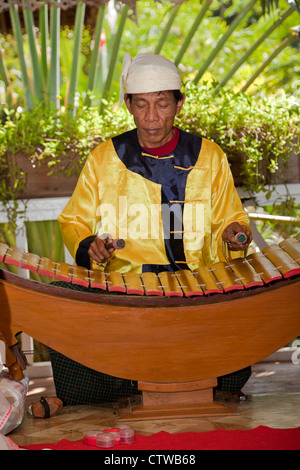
(240, 395)
(46, 407)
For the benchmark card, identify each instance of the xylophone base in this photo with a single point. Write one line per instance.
(173, 400)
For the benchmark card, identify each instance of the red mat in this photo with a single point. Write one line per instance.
(260, 438)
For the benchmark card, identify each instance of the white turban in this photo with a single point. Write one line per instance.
(147, 73)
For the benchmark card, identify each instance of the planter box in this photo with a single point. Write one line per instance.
(288, 175)
(39, 184)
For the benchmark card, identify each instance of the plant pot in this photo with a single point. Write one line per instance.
(287, 173)
(291, 173)
(39, 183)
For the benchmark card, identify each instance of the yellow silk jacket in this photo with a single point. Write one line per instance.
(171, 210)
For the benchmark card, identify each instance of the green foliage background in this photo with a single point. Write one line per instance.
(143, 31)
(256, 129)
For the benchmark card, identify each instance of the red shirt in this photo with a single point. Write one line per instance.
(166, 148)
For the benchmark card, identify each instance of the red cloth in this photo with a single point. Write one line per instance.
(260, 438)
(166, 148)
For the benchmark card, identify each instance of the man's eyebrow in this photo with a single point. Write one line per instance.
(159, 98)
(164, 96)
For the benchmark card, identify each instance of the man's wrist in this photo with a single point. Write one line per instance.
(82, 257)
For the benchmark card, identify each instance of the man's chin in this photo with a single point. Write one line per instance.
(153, 139)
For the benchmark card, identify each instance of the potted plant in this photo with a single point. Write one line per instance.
(43, 151)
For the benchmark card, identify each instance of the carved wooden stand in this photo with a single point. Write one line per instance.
(173, 400)
(162, 343)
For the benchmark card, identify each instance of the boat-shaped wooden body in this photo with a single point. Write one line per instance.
(174, 342)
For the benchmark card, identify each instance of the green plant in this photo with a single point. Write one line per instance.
(198, 37)
(253, 48)
(295, 37)
(274, 226)
(52, 137)
(256, 134)
(237, 20)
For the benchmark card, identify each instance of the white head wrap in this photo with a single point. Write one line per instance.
(147, 73)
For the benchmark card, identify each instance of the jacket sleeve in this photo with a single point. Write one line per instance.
(82, 256)
(79, 219)
(226, 206)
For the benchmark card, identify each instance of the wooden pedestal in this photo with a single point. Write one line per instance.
(173, 400)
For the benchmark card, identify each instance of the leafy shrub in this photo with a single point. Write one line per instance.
(257, 134)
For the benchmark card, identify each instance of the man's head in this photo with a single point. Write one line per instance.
(146, 73)
(151, 86)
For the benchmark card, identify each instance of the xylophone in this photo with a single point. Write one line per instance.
(174, 333)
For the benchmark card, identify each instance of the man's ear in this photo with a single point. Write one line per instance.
(180, 104)
(127, 102)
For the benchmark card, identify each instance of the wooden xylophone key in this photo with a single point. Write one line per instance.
(3, 249)
(188, 282)
(207, 281)
(80, 276)
(151, 284)
(115, 282)
(14, 256)
(98, 279)
(292, 247)
(63, 272)
(226, 277)
(30, 261)
(246, 273)
(282, 260)
(133, 284)
(46, 267)
(263, 266)
(171, 286)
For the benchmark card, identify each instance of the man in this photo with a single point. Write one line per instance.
(170, 194)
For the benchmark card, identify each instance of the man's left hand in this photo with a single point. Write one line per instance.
(229, 237)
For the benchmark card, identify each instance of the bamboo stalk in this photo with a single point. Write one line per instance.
(5, 77)
(223, 39)
(192, 31)
(79, 19)
(114, 54)
(43, 24)
(271, 57)
(34, 243)
(58, 246)
(243, 59)
(16, 26)
(95, 53)
(54, 78)
(36, 68)
(44, 239)
(167, 28)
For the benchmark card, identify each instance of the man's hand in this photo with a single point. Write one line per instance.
(101, 249)
(229, 237)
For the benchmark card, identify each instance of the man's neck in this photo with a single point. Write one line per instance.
(166, 148)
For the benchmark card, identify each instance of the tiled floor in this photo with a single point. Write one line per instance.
(273, 400)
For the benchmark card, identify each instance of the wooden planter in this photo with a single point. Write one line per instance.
(39, 184)
(288, 175)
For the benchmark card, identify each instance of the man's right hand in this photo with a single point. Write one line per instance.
(98, 250)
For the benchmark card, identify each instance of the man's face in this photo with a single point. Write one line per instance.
(154, 115)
